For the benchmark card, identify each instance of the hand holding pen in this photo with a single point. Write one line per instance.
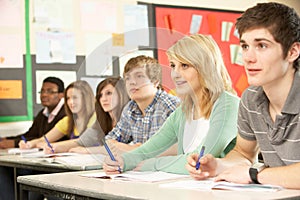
(24, 144)
(23, 138)
(48, 143)
(108, 166)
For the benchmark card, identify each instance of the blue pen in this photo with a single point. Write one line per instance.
(110, 154)
(23, 138)
(200, 156)
(48, 143)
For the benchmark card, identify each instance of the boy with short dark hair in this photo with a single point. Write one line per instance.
(269, 112)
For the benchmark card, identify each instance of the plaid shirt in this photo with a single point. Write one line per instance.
(136, 128)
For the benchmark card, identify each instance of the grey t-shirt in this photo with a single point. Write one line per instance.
(279, 141)
(91, 136)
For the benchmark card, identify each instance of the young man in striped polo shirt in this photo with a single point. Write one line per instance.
(269, 120)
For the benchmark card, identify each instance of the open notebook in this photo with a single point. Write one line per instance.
(210, 184)
(41, 154)
(71, 160)
(137, 176)
(79, 161)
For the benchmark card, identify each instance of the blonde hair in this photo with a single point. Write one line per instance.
(202, 53)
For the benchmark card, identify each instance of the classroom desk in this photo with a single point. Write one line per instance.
(69, 185)
(37, 164)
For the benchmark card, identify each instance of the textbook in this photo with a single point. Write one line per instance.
(210, 184)
(138, 176)
(79, 161)
(41, 154)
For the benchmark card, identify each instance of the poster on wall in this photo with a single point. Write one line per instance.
(175, 22)
(55, 47)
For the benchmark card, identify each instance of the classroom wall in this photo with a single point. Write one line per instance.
(72, 17)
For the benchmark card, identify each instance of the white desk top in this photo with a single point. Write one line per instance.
(71, 182)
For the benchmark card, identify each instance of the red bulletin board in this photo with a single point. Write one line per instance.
(172, 23)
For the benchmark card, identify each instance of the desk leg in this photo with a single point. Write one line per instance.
(23, 193)
(16, 184)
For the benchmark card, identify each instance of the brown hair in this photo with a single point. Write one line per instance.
(153, 68)
(281, 21)
(103, 117)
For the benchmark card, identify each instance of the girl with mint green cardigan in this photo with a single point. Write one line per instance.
(207, 115)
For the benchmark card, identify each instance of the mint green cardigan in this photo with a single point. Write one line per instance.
(220, 139)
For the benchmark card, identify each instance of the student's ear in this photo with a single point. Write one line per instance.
(294, 52)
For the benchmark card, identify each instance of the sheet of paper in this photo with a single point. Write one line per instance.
(195, 24)
(54, 14)
(22, 151)
(136, 25)
(11, 51)
(98, 16)
(226, 30)
(138, 176)
(11, 89)
(11, 13)
(55, 47)
(209, 184)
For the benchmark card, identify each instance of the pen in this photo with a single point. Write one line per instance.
(200, 156)
(48, 143)
(110, 154)
(23, 138)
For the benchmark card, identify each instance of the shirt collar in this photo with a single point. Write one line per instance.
(135, 107)
(55, 111)
(292, 103)
(292, 100)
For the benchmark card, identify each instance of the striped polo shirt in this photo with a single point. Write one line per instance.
(279, 141)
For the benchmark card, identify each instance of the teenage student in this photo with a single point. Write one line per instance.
(51, 95)
(269, 120)
(149, 107)
(111, 97)
(80, 109)
(147, 110)
(207, 115)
